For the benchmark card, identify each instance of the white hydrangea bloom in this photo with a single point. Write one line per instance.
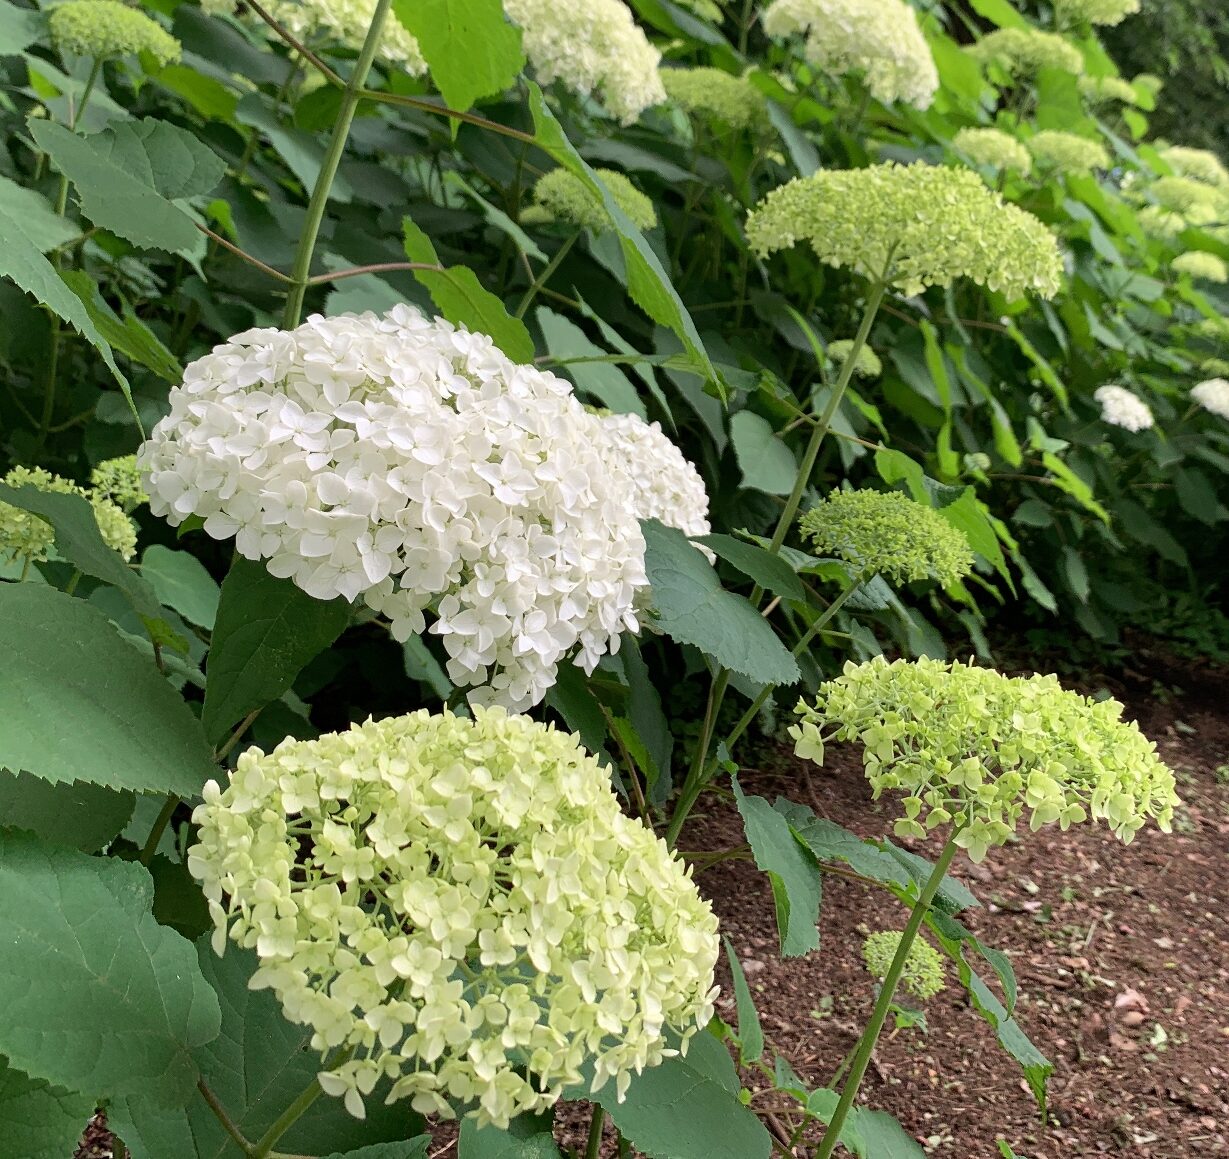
(1213, 396)
(594, 47)
(1121, 408)
(460, 903)
(347, 21)
(879, 38)
(410, 463)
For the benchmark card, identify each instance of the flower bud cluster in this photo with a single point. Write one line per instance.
(1101, 90)
(1200, 264)
(26, 537)
(563, 195)
(924, 974)
(974, 748)
(460, 907)
(913, 225)
(1024, 52)
(119, 480)
(1061, 152)
(714, 95)
(866, 365)
(1094, 11)
(1121, 408)
(1200, 164)
(1213, 396)
(880, 39)
(101, 28)
(993, 147)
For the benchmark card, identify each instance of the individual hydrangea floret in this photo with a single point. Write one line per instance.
(119, 480)
(974, 748)
(1121, 408)
(103, 28)
(1213, 396)
(924, 974)
(24, 536)
(462, 905)
(1024, 52)
(1061, 152)
(593, 48)
(887, 533)
(993, 147)
(1094, 11)
(563, 195)
(913, 225)
(1200, 164)
(1199, 264)
(866, 365)
(1102, 90)
(711, 94)
(880, 39)
(408, 462)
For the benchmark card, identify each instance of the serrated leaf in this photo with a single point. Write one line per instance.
(693, 609)
(38, 1120)
(266, 630)
(884, 1137)
(750, 1033)
(526, 1137)
(98, 996)
(127, 334)
(80, 704)
(795, 879)
(170, 160)
(770, 571)
(180, 581)
(766, 463)
(664, 1104)
(471, 49)
(83, 816)
(45, 228)
(415, 1148)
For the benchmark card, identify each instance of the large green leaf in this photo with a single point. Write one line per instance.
(526, 1137)
(44, 227)
(19, 28)
(471, 49)
(693, 609)
(98, 996)
(415, 1148)
(770, 571)
(80, 704)
(181, 582)
(266, 630)
(665, 1104)
(81, 815)
(38, 1120)
(766, 463)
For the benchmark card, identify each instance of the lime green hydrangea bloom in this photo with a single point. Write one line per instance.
(1160, 223)
(1200, 164)
(868, 364)
(459, 905)
(1196, 200)
(711, 94)
(563, 195)
(1024, 52)
(914, 225)
(1062, 152)
(24, 536)
(888, 534)
(975, 748)
(1198, 264)
(1215, 367)
(924, 974)
(120, 481)
(1101, 90)
(1094, 11)
(993, 147)
(109, 28)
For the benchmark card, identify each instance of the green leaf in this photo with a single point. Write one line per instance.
(302, 152)
(796, 887)
(38, 1120)
(750, 1033)
(648, 718)
(603, 381)
(526, 1137)
(180, 581)
(45, 228)
(665, 1103)
(472, 51)
(693, 609)
(1065, 479)
(770, 571)
(266, 630)
(969, 515)
(571, 699)
(19, 28)
(81, 815)
(766, 463)
(999, 12)
(647, 282)
(80, 704)
(98, 996)
(129, 335)
(460, 297)
(884, 1137)
(495, 216)
(415, 1148)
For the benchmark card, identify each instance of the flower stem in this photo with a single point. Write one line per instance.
(157, 829)
(301, 273)
(593, 1148)
(544, 276)
(866, 1044)
(287, 1119)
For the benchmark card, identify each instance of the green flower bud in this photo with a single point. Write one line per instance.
(868, 364)
(924, 974)
(713, 95)
(109, 28)
(994, 148)
(565, 196)
(1200, 164)
(1094, 11)
(1067, 152)
(1101, 90)
(1024, 52)
(1198, 264)
(119, 480)
(25, 536)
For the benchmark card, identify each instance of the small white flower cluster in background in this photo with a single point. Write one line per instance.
(1213, 396)
(1121, 408)
(409, 463)
(460, 905)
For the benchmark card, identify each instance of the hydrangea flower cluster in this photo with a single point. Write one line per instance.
(1121, 408)
(924, 974)
(593, 48)
(714, 95)
(119, 480)
(1200, 164)
(563, 195)
(1200, 264)
(975, 748)
(1198, 202)
(1094, 11)
(993, 147)
(1213, 396)
(867, 365)
(888, 534)
(1024, 52)
(462, 905)
(410, 463)
(24, 536)
(1101, 90)
(102, 28)
(913, 225)
(880, 39)
(1061, 152)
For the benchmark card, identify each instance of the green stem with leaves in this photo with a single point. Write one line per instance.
(300, 274)
(887, 992)
(545, 275)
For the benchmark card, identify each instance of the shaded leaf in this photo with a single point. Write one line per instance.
(78, 814)
(38, 1120)
(526, 1137)
(750, 1033)
(180, 581)
(770, 571)
(766, 463)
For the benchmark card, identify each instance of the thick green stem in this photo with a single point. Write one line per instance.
(287, 1119)
(157, 829)
(866, 1044)
(301, 273)
(593, 1148)
(545, 275)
